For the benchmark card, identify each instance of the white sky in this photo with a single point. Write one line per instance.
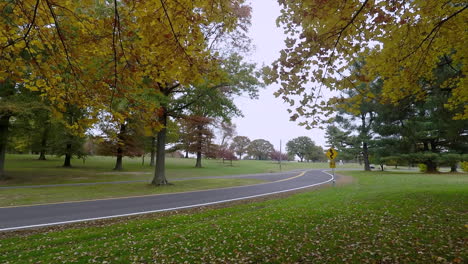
(267, 117)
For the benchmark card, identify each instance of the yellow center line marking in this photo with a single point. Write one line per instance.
(148, 195)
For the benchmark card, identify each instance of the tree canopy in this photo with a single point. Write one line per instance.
(402, 41)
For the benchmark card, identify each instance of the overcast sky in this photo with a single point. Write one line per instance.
(267, 117)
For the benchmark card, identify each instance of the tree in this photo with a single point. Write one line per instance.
(228, 130)
(260, 149)
(278, 156)
(402, 41)
(214, 99)
(300, 146)
(200, 135)
(226, 154)
(315, 154)
(426, 130)
(124, 139)
(240, 145)
(17, 103)
(341, 141)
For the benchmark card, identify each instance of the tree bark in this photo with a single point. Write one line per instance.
(153, 151)
(186, 154)
(160, 169)
(365, 156)
(198, 164)
(4, 123)
(199, 157)
(45, 135)
(453, 168)
(118, 162)
(431, 167)
(68, 155)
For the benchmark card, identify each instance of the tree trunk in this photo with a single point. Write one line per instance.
(381, 167)
(4, 123)
(68, 155)
(160, 169)
(186, 154)
(199, 156)
(121, 137)
(45, 134)
(365, 156)
(453, 168)
(431, 167)
(118, 162)
(199, 150)
(153, 151)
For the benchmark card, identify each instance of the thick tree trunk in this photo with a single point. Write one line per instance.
(45, 135)
(68, 155)
(431, 167)
(453, 168)
(4, 123)
(121, 136)
(118, 162)
(186, 154)
(153, 151)
(365, 156)
(160, 169)
(199, 157)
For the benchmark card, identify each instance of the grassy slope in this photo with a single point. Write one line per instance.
(15, 197)
(27, 170)
(381, 217)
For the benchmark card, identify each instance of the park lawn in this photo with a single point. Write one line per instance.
(27, 170)
(33, 196)
(381, 217)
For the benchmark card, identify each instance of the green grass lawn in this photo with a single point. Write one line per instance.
(15, 197)
(379, 218)
(27, 170)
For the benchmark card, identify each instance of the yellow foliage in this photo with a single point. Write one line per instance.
(81, 54)
(401, 41)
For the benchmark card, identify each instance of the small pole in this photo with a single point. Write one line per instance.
(334, 181)
(280, 156)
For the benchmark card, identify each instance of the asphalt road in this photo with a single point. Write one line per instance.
(21, 217)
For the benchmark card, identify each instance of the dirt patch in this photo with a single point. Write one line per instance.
(340, 180)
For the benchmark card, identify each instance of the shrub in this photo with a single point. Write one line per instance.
(464, 166)
(422, 167)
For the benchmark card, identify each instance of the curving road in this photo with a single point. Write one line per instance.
(21, 217)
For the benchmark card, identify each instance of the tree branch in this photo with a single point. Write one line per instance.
(434, 30)
(33, 20)
(173, 31)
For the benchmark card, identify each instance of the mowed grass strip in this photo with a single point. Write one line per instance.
(32, 196)
(379, 218)
(27, 170)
